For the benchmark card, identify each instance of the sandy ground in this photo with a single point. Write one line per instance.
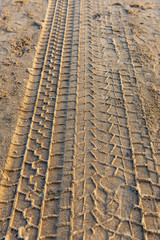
(90, 118)
(145, 22)
(21, 23)
(20, 26)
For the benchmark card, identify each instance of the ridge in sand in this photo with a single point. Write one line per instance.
(84, 159)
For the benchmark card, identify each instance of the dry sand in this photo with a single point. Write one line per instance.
(84, 162)
(20, 26)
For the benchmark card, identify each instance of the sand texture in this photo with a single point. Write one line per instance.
(84, 160)
(20, 26)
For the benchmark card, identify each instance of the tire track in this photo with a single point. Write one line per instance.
(37, 152)
(56, 211)
(124, 151)
(101, 136)
(81, 164)
(49, 91)
(145, 156)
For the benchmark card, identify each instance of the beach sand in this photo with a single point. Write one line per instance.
(80, 119)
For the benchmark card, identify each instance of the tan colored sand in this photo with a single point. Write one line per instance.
(20, 27)
(84, 162)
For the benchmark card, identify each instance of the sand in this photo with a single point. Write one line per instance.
(20, 26)
(80, 120)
